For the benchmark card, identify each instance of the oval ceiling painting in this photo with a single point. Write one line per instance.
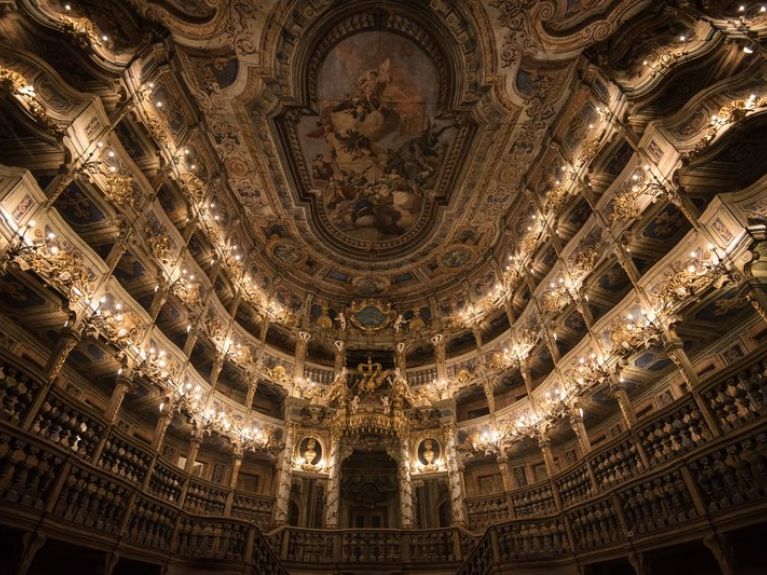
(375, 143)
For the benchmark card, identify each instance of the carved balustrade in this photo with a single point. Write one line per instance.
(62, 423)
(203, 498)
(741, 398)
(575, 485)
(616, 464)
(657, 503)
(711, 483)
(166, 482)
(17, 393)
(87, 475)
(123, 459)
(346, 546)
(733, 475)
(680, 429)
(532, 540)
(487, 510)
(595, 525)
(151, 523)
(46, 477)
(255, 508)
(534, 501)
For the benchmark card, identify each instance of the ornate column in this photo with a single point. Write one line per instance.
(503, 466)
(340, 355)
(487, 387)
(334, 484)
(69, 340)
(236, 464)
(438, 341)
(194, 448)
(163, 422)
(405, 485)
(399, 356)
(544, 442)
(454, 476)
(624, 403)
(576, 422)
(284, 476)
(302, 346)
(122, 387)
(67, 343)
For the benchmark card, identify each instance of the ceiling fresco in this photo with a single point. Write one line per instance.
(376, 144)
(388, 149)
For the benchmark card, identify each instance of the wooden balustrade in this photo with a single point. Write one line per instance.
(86, 475)
(439, 547)
(48, 477)
(722, 480)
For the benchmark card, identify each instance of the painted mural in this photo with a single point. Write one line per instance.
(376, 146)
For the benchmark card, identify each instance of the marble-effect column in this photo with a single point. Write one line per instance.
(334, 484)
(454, 477)
(285, 477)
(405, 485)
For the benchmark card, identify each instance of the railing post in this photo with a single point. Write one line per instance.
(457, 547)
(31, 544)
(53, 496)
(495, 546)
(284, 543)
(405, 546)
(692, 487)
(250, 544)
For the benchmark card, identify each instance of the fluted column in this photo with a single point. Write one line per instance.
(399, 356)
(454, 476)
(191, 456)
(69, 340)
(67, 343)
(236, 465)
(624, 403)
(302, 346)
(438, 341)
(576, 422)
(405, 485)
(503, 466)
(487, 387)
(162, 426)
(544, 442)
(340, 358)
(284, 477)
(334, 484)
(122, 387)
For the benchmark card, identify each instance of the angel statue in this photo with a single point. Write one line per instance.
(341, 319)
(339, 391)
(399, 323)
(400, 390)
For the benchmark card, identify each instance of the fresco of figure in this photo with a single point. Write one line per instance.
(377, 147)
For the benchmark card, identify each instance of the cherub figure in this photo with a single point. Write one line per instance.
(399, 323)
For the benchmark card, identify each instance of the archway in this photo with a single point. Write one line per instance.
(369, 490)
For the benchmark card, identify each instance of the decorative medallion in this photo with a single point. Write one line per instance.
(370, 285)
(429, 452)
(456, 257)
(371, 315)
(310, 454)
(286, 252)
